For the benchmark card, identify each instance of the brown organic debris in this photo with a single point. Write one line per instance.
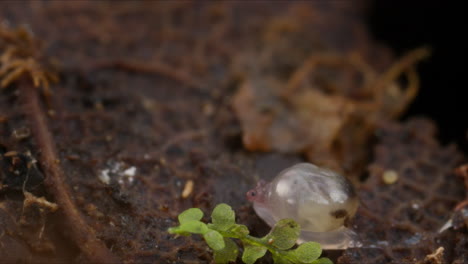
(20, 54)
(34, 215)
(21, 133)
(188, 189)
(147, 68)
(30, 200)
(331, 126)
(435, 258)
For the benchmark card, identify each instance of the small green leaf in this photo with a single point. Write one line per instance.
(279, 259)
(214, 240)
(284, 234)
(195, 227)
(223, 217)
(307, 252)
(322, 261)
(173, 230)
(282, 237)
(227, 254)
(176, 230)
(190, 215)
(239, 231)
(252, 253)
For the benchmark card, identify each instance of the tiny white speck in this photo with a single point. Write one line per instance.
(117, 171)
(415, 206)
(104, 176)
(446, 226)
(130, 172)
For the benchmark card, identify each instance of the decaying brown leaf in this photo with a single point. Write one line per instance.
(314, 101)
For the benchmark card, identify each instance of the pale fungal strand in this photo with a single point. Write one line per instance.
(320, 200)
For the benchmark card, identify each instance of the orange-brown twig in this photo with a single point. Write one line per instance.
(84, 236)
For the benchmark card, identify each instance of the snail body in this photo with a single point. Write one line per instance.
(320, 200)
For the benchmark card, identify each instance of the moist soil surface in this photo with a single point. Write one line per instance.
(148, 98)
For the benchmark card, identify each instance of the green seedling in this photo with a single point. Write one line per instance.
(220, 233)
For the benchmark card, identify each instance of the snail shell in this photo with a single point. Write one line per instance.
(320, 200)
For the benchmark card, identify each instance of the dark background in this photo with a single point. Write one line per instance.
(405, 25)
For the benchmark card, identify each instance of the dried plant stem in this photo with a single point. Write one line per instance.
(148, 68)
(83, 235)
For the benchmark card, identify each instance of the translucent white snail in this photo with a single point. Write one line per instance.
(320, 200)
